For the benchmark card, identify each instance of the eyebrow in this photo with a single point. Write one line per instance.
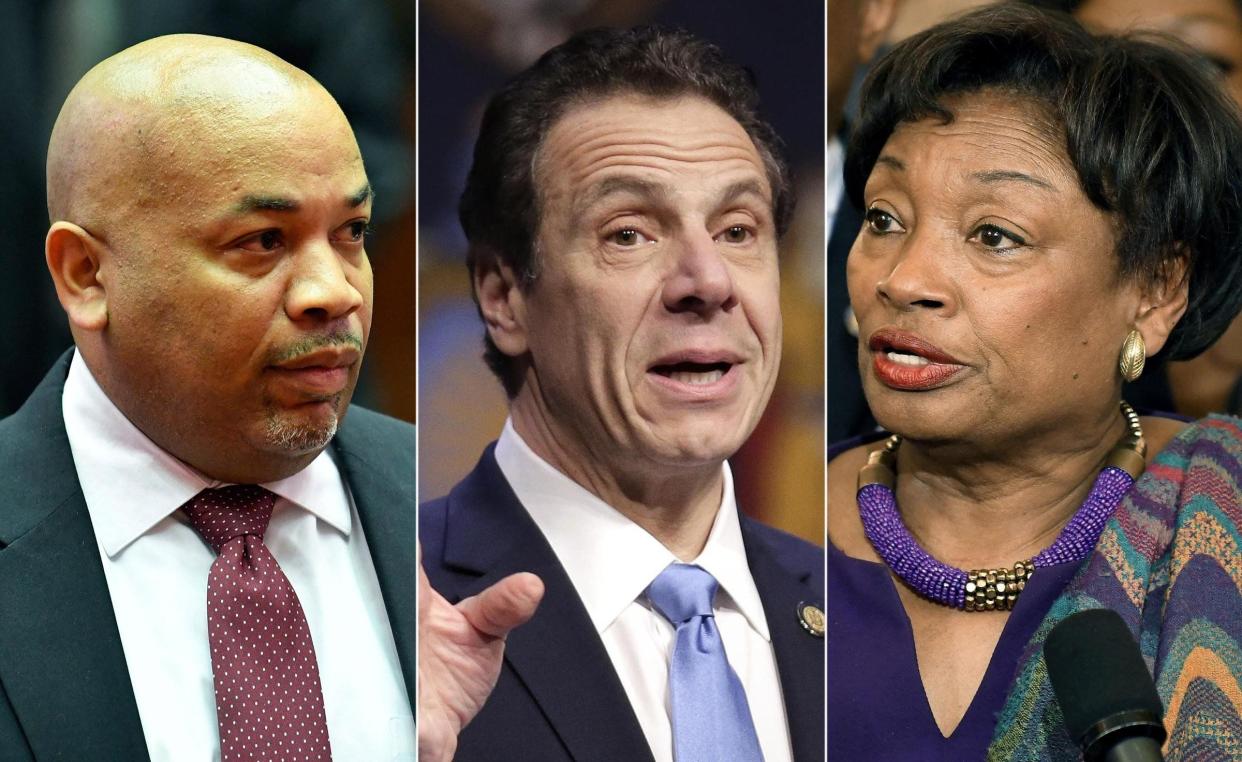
(648, 189)
(259, 203)
(361, 196)
(892, 161)
(743, 188)
(1007, 176)
(262, 203)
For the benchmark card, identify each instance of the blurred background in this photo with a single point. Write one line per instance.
(361, 50)
(467, 49)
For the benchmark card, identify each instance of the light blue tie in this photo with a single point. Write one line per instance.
(711, 719)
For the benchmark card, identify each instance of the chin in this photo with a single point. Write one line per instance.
(292, 434)
(918, 416)
(701, 444)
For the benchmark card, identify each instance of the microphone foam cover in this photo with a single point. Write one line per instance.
(1096, 670)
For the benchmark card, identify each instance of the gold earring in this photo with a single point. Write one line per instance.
(1133, 355)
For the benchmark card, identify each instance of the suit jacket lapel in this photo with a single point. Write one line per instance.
(383, 493)
(799, 654)
(61, 660)
(558, 655)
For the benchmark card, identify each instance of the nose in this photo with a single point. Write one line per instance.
(916, 277)
(700, 280)
(325, 286)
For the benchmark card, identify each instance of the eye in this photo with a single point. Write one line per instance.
(881, 222)
(627, 237)
(997, 238)
(735, 234)
(354, 231)
(266, 241)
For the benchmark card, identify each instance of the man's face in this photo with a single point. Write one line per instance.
(653, 324)
(239, 291)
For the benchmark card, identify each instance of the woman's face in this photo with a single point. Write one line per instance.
(1211, 27)
(984, 281)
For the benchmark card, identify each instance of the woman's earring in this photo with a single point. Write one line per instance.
(1133, 356)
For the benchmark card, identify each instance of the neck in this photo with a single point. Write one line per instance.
(1018, 496)
(675, 504)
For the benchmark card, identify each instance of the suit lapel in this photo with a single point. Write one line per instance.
(383, 493)
(558, 655)
(799, 655)
(61, 660)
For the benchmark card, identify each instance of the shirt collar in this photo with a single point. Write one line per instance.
(610, 559)
(130, 484)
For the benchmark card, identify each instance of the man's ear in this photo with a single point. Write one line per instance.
(1163, 303)
(501, 303)
(875, 20)
(74, 258)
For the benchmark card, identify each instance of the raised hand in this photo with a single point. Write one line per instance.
(459, 653)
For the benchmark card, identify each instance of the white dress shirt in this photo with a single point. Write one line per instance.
(156, 568)
(611, 561)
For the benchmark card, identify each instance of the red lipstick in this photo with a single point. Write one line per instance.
(914, 364)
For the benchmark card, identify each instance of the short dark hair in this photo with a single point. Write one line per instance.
(499, 210)
(1153, 137)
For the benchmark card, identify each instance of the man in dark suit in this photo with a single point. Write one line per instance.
(623, 212)
(200, 556)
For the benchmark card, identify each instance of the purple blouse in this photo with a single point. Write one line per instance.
(877, 709)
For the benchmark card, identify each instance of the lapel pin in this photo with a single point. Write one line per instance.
(811, 617)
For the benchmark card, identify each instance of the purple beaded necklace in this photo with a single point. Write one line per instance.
(989, 589)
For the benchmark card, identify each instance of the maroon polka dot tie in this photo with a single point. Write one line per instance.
(268, 699)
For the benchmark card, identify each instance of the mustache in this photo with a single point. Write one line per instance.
(339, 338)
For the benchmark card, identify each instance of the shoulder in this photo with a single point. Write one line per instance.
(797, 558)
(365, 426)
(787, 545)
(484, 485)
(431, 526)
(1192, 489)
(1215, 441)
(377, 440)
(37, 473)
(431, 515)
(40, 412)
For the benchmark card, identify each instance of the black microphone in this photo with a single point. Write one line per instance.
(1106, 694)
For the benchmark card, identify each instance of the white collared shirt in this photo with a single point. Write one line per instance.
(611, 561)
(156, 567)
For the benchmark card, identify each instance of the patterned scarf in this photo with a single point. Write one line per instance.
(1170, 563)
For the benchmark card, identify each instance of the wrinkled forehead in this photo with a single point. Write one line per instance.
(668, 140)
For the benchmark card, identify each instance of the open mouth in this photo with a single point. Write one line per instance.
(904, 358)
(693, 373)
(905, 361)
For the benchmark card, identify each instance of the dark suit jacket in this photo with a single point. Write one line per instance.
(64, 686)
(558, 697)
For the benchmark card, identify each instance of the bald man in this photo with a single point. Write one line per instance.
(201, 555)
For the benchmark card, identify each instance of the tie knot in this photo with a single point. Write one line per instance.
(682, 591)
(219, 515)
